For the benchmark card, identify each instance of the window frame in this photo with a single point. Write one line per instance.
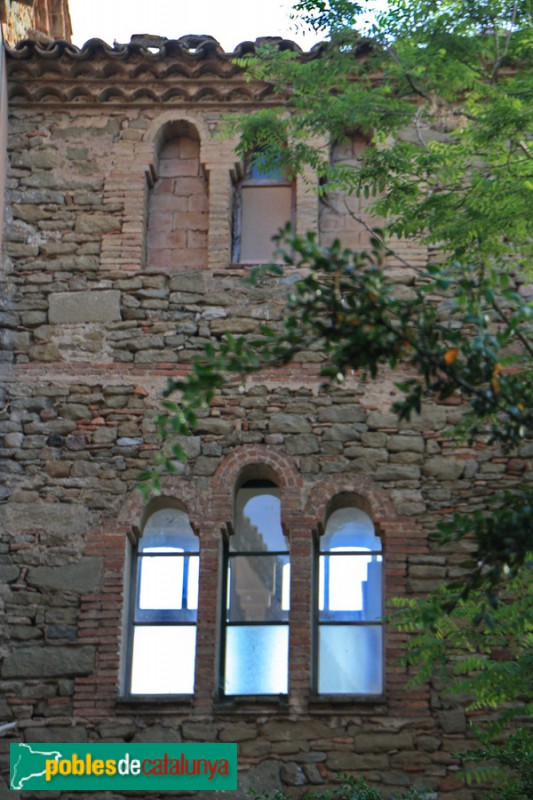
(172, 618)
(242, 180)
(318, 552)
(226, 623)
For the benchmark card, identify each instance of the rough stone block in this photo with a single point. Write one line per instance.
(97, 306)
(399, 444)
(289, 423)
(98, 222)
(156, 733)
(444, 469)
(56, 733)
(302, 444)
(59, 518)
(293, 774)
(453, 721)
(256, 779)
(342, 413)
(47, 662)
(83, 577)
(383, 742)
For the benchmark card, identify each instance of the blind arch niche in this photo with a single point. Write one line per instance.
(178, 202)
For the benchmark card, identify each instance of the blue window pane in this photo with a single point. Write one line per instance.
(257, 659)
(163, 660)
(349, 586)
(350, 659)
(259, 171)
(258, 521)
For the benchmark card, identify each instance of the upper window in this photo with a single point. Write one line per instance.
(263, 203)
(166, 570)
(256, 641)
(348, 607)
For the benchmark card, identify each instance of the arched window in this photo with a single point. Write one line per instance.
(263, 203)
(256, 641)
(348, 606)
(165, 603)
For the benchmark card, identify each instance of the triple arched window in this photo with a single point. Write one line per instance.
(345, 621)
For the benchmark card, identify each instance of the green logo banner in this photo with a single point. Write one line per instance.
(108, 767)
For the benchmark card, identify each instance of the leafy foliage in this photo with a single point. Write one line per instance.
(352, 790)
(347, 305)
(507, 766)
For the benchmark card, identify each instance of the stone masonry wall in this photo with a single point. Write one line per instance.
(96, 316)
(48, 18)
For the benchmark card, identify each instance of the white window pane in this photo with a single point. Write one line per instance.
(257, 659)
(350, 586)
(193, 582)
(162, 582)
(348, 527)
(350, 659)
(286, 587)
(163, 660)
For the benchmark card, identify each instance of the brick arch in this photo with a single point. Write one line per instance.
(159, 503)
(371, 497)
(135, 508)
(282, 467)
(174, 129)
(158, 132)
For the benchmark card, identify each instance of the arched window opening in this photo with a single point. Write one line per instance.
(263, 203)
(166, 573)
(256, 642)
(348, 610)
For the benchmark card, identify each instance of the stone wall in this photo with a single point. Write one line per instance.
(96, 316)
(36, 19)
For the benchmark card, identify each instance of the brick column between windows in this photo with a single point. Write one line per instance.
(307, 208)
(300, 617)
(219, 165)
(208, 628)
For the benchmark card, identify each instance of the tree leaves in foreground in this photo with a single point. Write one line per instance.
(442, 93)
(463, 344)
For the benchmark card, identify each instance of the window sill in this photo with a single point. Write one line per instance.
(155, 699)
(347, 699)
(258, 263)
(245, 701)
